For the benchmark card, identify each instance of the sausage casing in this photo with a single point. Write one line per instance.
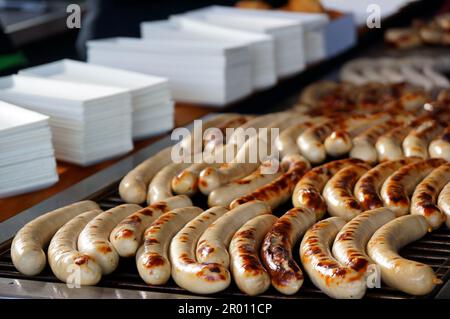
(201, 278)
(276, 251)
(425, 196)
(65, 259)
(246, 267)
(398, 187)
(308, 191)
(27, 247)
(212, 246)
(126, 237)
(406, 275)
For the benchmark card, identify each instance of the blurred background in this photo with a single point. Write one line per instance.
(34, 31)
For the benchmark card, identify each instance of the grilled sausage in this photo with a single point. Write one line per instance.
(133, 187)
(338, 192)
(186, 182)
(403, 38)
(389, 145)
(256, 123)
(65, 259)
(224, 195)
(193, 143)
(444, 202)
(93, 239)
(278, 191)
(398, 187)
(364, 143)
(406, 275)
(286, 141)
(276, 251)
(339, 142)
(212, 178)
(416, 142)
(440, 147)
(152, 257)
(311, 141)
(368, 187)
(212, 246)
(232, 123)
(246, 160)
(201, 278)
(246, 267)
(307, 192)
(313, 93)
(27, 247)
(160, 187)
(349, 247)
(326, 273)
(126, 237)
(425, 196)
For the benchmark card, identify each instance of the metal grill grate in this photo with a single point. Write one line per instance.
(433, 250)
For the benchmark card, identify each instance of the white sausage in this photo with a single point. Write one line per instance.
(152, 257)
(364, 143)
(338, 192)
(246, 267)
(255, 123)
(186, 182)
(339, 142)
(326, 273)
(66, 262)
(308, 191)
(247, 159)
(93, 239)
(444, 202)
(440, 147)
(398, 187)
(133, 187)
(311, 141)
(280, 190)
(389, 145)
(160, 187)
(212, 246)
(193, 143)
(349, 247)
(27, 248)
(367, 189)
(224, 195)
(406, 275)
(212, 178)
(424, 199)
(286, 141)
(201, 278)
(286, 276)
(416, 142)
(126, 237)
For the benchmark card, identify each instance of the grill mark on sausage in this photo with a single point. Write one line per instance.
(277, 254)
(284, 183)
(81, 260)
(153, 260)
(124, 233)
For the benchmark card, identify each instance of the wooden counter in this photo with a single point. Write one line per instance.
(70, 174)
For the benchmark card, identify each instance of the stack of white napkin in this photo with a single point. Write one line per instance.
(153, 107)
(89, 123)
(27, 160)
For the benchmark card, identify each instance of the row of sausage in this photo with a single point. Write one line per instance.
(199, 248)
